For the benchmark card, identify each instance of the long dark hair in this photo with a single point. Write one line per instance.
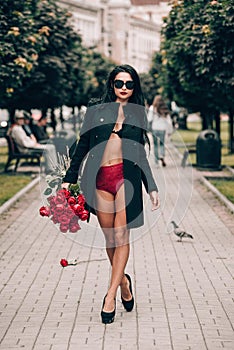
(137, 96)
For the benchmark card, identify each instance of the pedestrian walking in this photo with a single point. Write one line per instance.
(110, 156)
(160, 125)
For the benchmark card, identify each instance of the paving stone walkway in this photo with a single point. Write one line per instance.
(184, 291)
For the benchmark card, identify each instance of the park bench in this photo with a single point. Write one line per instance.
(15, 154)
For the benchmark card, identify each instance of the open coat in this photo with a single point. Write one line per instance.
(98, 124)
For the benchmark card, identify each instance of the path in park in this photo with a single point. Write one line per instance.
(183, 291)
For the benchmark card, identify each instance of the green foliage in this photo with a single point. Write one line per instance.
(20, 44)
(52, 73)
(96, 69)
(197, 55)
(149, 86)
(43, 62)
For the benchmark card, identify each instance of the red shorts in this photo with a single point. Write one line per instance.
(110, 178)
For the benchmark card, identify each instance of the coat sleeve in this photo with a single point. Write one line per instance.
(146, 172)
(81, 150)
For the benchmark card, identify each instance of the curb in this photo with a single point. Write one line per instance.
(212, 188)
(230, 169)
(6, 206)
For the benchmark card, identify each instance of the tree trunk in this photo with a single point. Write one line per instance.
(61, 116)
(231, 132)
(44, 112)
(53, 119)
(204, 121)
(11, 115)
(74, 118)
(217, 122)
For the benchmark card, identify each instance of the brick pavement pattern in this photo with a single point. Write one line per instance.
(183, 291)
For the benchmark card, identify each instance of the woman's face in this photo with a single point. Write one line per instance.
(123, 87)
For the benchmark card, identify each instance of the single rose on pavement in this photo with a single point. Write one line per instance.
(63, 262)
(70, 262)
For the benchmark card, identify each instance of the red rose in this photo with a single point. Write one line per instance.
(52, 204)
(64, 220)
(69, 212)
(59, 209)
(51, 199)
(44, 211)
(84, 215)
(63, 262)
(55, 219)
(63, 228)
(74, 220)
(78, 209)
(52, 209)
(60, 199)
(81, 199)
(64, 193)
(74, 228)
(71, 201)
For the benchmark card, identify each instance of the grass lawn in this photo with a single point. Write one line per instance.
(189, 137)
(10, 184)
(226, 187)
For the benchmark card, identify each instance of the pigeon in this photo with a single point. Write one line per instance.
(180, 233)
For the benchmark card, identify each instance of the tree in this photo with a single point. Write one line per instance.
(20, 45)
(96, 69)
(197, 57)
(55, 74)
(149, 86)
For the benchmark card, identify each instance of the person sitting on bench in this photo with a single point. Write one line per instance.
(39, 130)
(25, 143)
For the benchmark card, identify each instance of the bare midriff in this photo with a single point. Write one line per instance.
(113, 151)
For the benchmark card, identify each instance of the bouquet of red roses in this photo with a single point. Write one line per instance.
(66, 208)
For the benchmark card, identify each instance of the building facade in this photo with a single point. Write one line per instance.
(123, 30)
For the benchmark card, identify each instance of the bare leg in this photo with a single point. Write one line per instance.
(122, 244)
(106, 217)
(112, 219)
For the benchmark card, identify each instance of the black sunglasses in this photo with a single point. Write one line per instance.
(120, 83)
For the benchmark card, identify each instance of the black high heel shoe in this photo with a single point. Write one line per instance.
(107, 317)
(163, 162)
(128, 304)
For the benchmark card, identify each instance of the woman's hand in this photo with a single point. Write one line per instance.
(155, 200)
(65, 185)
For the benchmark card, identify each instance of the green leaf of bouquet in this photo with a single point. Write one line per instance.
(54, 183)
(74, 189)
(48, 191)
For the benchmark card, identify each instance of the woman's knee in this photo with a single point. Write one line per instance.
(121, 236)
(110, 242)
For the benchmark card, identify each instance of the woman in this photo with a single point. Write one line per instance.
(160, 121)
(111, 151)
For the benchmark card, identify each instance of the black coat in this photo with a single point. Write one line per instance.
(96, 130)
